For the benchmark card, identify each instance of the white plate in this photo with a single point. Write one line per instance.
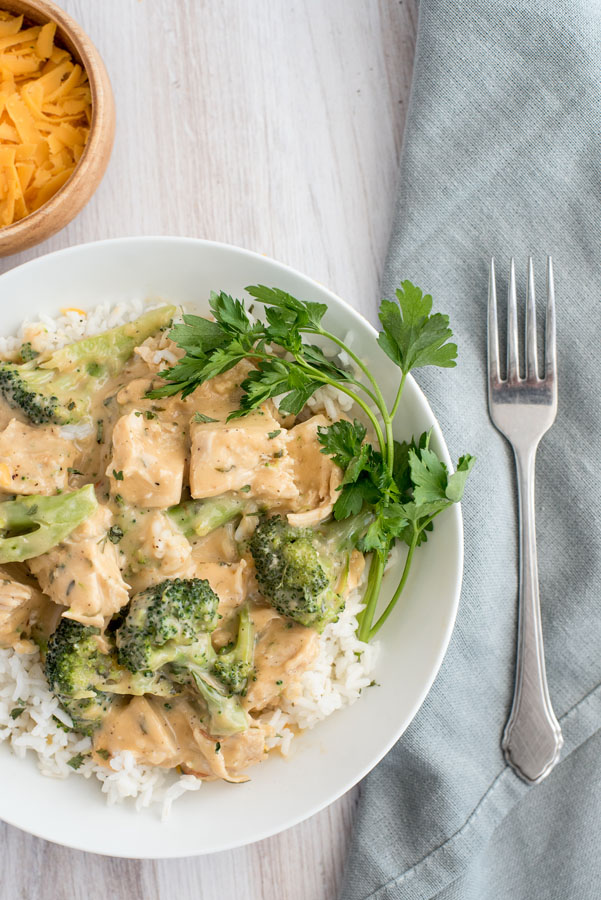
(334, 756)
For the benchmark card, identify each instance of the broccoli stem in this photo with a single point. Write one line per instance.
(197, 518)
(233, 667)
(34, 525)
(112, 348)
(226, 715)
(345, 534)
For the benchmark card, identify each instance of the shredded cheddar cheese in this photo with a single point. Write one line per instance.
(45, 114)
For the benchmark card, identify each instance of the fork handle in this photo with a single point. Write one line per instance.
(532, 739)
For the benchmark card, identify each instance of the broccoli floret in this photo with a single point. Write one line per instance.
(32, 525)
(85, 677)
(197, 518)
(167, 623)
(233, 667)
(299, 569)
(58, 388)
(225, 714)
(27, 352)
(168, 629)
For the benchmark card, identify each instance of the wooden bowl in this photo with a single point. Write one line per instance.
(70, 199)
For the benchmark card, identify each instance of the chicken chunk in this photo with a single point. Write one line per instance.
(168, 735)
(243, 750)
(229, 581)
(34, 460)
(147, 466)
(283, 652)
(155, 550)
(83, 573)
(246, 454)
(20, 606)
(316, 476)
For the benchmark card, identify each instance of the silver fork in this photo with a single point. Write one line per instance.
(523, 409)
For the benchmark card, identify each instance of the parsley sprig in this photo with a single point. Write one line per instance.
(405, 485)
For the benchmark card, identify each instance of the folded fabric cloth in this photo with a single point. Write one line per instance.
(502, 157)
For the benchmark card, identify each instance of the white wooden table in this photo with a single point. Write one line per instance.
(275, 125)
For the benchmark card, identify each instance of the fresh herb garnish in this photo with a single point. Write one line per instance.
(16, 712)
(404, 485)
(118, 476)
(73, 471)
(202, 419)
(103, 754)
(76, 761)
(114, 534)
(273, 434)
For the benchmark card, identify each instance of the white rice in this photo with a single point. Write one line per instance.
(345, 665)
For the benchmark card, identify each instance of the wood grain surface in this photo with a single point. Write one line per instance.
(275, 125)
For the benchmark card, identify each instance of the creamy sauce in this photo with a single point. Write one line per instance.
(143, 456)
(169, 734)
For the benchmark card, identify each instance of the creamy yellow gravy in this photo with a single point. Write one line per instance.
(144, 456)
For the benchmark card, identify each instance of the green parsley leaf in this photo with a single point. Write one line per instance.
(431, 478)
(118, 476)
(308, 315)
(202, 419)
(76, 761)
(198, 336)
(342, 440)
(16, 712)
(114, 534)
(411, 337)
(232, 316)
(273, 434)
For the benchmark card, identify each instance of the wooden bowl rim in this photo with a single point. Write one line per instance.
(102, 100)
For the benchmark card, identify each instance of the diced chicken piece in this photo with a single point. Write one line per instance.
(217, 546)
(20, 607)
(229, 583)
(34, 460)
(155, 550)
(243, 750)
(83, 573)
(315, 475)
(137, 726)
(283, 652)
(247, 454)
(162, 735)
(147, 467)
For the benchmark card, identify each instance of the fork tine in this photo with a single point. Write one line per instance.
(550, 348)
(531, 360)
(493, 335)
(513, 365)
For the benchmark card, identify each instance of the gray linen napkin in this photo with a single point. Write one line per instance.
(502, 156)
